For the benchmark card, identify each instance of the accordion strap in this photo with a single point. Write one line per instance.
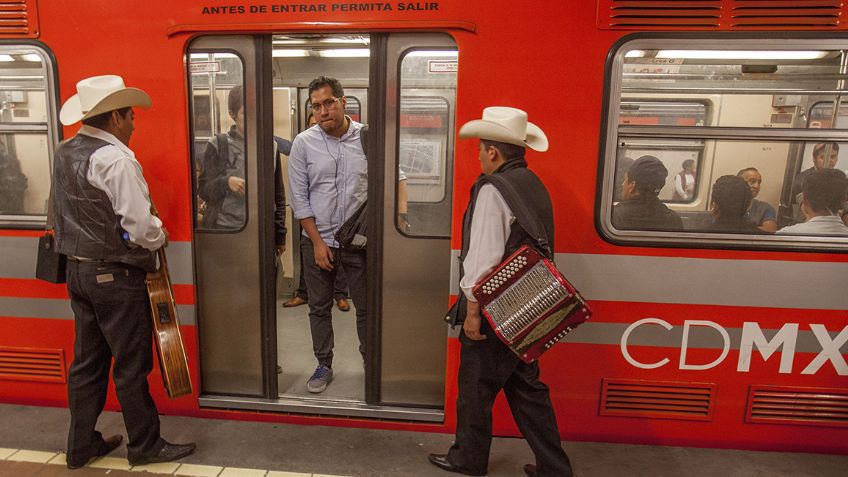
(527, 218)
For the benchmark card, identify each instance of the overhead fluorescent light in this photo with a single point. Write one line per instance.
(447, 53)
(289, 53)
(743, 54)
(350, 40)
(31, 57)
(6, 58)
(635, 54)
(345, 53)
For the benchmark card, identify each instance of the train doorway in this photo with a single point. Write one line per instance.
(256, 353)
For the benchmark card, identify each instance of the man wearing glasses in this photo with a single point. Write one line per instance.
(328, 175)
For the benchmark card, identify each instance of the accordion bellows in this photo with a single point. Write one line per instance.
(529, 304)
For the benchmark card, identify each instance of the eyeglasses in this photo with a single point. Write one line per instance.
(328, 104)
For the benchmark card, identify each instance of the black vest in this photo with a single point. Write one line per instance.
(535, 197)
(86, 225)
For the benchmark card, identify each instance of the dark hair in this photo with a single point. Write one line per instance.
(819, 148)
(688, 162)
(235, 100)
(508, 151)
(732, 196)
(101, 120)
(747, 169)
(825, 190)
(649, 174)
(322, 81)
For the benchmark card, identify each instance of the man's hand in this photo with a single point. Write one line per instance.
(236, 184)
(281, 249)
(323, 255)
(471, 327)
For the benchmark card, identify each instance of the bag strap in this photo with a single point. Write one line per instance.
(527, 218)
(223, 146)
(51, 207)
(363, 135)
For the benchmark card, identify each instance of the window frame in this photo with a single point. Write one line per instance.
(50, 128)
(611, 131)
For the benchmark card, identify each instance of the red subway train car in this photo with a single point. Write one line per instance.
(700, 336)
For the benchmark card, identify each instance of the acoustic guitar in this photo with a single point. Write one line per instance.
(166, 331)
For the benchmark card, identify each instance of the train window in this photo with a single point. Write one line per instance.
(425, 147)
(688, 125)
(27, 134)
(219, 146)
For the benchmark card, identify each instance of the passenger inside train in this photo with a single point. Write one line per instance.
(822, 198)
(731, 198)
(759, 213)
(640, 207)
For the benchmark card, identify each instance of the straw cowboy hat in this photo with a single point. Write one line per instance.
(100, 94)
(509, 125)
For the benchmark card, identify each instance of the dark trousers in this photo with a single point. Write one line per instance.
(340, 285)
(320, 282)
(112, 321)
(486, 367)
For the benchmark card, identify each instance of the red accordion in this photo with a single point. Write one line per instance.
(529, 304)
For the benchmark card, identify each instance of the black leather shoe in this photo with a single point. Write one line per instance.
(441, 461)
(530, 470)
(109, 444)
(168, 453)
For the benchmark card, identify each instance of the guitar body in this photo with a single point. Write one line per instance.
(166, 331)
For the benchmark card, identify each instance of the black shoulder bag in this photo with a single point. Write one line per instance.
(50, 264)
(353, 233)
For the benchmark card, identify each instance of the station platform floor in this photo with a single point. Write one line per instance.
(32, 443)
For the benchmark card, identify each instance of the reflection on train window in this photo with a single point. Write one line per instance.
(724, 108)
(27, 134)
(425, 142)
(218, 103)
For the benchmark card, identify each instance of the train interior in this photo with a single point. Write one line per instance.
(697, 88)
(418, 154)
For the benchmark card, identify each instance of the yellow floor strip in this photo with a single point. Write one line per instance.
(194, 470)
(32, 456)
(167, 468)
(239, 472)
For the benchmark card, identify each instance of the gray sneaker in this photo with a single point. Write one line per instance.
(320, 379)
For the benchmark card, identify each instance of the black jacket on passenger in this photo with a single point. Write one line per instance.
(535, 197)
(85, 223)
(645, 212)
(213, 182)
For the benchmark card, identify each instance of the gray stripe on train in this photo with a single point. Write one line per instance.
(20, 254)
(723, 282)
(699, 336)
(61, 309)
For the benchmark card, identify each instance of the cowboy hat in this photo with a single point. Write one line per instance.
(509, 125)
(98, 95)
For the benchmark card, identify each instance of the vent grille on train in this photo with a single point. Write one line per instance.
(657, 399)
(31, 364)
(18, 18)
(787, 405)
(720, 14)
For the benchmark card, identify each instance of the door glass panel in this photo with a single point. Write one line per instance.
(218, 110)
(425, 142)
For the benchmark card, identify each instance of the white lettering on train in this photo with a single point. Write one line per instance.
(752, 337)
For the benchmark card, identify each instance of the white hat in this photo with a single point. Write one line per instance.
(100, 94)
(509, 125)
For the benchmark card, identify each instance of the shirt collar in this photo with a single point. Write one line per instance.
(105, 136)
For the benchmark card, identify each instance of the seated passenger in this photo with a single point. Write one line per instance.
(730, 201)
(759, 213)
(822, 198)
(640, 207)
(820, 162)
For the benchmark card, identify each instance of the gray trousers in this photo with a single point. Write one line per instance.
(320, 286)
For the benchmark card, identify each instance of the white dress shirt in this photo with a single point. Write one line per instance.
(115, 170)
(490, 228)
(821, 225)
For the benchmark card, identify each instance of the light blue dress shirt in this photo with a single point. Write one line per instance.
(328, 178)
